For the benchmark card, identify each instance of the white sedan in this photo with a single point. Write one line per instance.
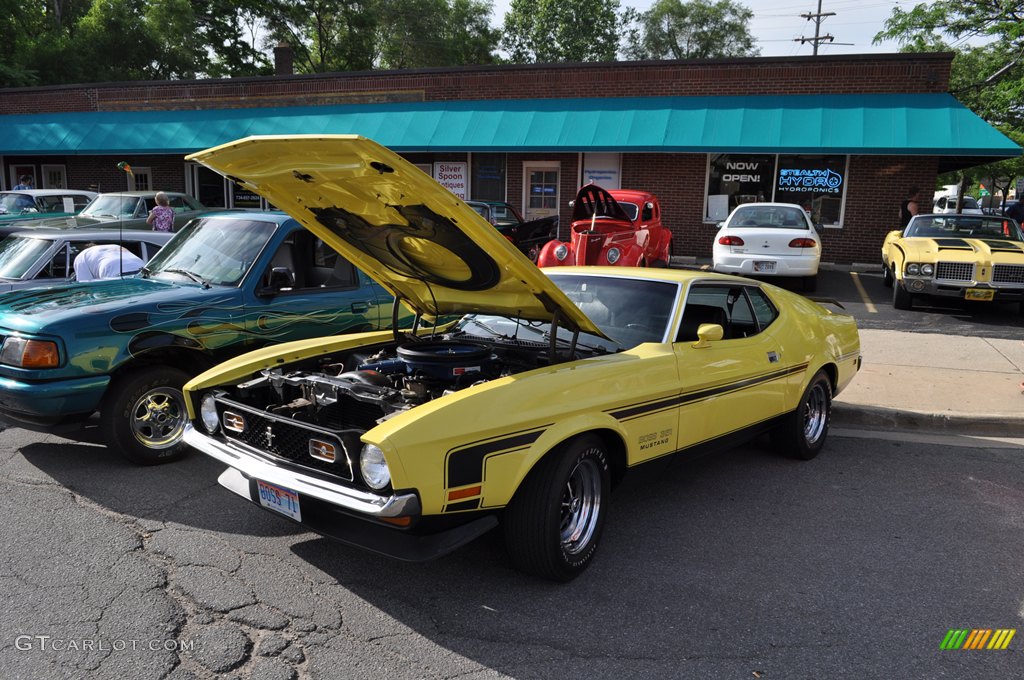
(769, 239)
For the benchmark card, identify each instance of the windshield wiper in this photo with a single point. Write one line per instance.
(195, 277)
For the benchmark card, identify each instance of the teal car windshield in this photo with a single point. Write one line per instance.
(218, 252)
(18, 255)
(112, 206)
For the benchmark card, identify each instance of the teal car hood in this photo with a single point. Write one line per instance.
(151, 303)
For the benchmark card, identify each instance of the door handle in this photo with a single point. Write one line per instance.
(773, 357)
(360, 307)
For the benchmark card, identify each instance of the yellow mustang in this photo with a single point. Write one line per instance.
(969, 257)
(525, 410)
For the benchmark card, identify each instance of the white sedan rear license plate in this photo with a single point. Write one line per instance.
(764, 267)
(280, 499)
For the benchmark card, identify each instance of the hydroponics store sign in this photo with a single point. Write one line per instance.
(811, 180)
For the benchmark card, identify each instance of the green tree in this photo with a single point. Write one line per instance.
(326, 35)
(672, 29)
(547, 31)
(423, 33)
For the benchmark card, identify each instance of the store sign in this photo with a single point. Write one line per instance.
(454, 177)
(742, 171)
(602, 169)
(814, 180)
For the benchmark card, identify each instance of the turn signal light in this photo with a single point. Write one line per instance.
(730, 241)
(27, 353)
(464, 493)
(803, 243)
(397, 521)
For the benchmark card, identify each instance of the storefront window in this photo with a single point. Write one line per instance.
(816, 183)
(488, 176)
(735, 179)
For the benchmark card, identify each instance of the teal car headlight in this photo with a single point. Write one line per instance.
(208, 413)
(374, 468)
(28, 353)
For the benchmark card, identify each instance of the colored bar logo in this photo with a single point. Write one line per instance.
(978, 638)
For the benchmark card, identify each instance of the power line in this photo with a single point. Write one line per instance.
(818, 38)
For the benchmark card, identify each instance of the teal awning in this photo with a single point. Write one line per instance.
(878, 124)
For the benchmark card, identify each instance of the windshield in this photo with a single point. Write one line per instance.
(217, 251)
(19, 254)
(964, 226)
(772, 217)
(16, 203)
(112, 205)
(631, 209)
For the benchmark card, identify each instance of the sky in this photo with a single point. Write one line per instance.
(777, 22)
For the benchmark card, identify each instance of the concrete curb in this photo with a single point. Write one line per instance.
(881, 418)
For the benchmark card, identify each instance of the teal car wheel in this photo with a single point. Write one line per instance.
(144, 416)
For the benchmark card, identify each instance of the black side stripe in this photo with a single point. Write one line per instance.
(463, 505)
(700, 395)
(465, 465)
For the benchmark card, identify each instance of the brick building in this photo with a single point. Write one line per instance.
(845, 136)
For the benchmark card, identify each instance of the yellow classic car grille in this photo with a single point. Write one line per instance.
(1008, 273)
(285, 439)
(955, 271)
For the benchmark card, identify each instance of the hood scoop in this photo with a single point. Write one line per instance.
(953, 244)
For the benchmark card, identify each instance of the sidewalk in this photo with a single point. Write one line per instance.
(930, 382)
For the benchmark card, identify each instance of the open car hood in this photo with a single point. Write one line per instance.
(592, 199)
(406, 231)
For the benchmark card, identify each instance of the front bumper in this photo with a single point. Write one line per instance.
(43, 405)
(957, 289)
(337, 511)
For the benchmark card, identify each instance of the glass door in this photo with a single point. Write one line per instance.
(541, 187)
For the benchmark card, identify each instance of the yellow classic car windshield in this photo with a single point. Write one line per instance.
(395, 223)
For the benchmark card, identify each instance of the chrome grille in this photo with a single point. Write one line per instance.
(1008, 273)
(955, 271)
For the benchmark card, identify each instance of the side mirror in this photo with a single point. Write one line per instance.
(818, 227)
(572, 203)
(708, 333)
(281, 279)
(719, 225)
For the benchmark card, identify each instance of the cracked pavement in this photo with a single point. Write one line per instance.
(744, 565)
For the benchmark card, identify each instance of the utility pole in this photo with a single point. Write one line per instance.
(817, 19)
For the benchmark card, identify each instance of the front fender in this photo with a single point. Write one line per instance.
(547, 254)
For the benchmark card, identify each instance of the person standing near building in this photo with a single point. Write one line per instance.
(25, 184)
(909, 207)
(107, 261)
(161, 217)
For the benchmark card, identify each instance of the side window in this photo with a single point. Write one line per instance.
(81, 200)
(330, 270)
(764, 310)
(648, 213)
(178, 203)
(732, 307)
(59, 267)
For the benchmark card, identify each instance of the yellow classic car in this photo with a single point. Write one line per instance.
(533, 400)
(969, 257)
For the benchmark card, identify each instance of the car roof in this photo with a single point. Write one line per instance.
(649, 273)
(145, 194)
(93, 234)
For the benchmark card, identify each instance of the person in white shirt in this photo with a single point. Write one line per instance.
(108, 261)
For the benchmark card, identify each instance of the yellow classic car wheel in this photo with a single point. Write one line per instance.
(886, 276)
(803, 432)
(553, 525)
(901, 297)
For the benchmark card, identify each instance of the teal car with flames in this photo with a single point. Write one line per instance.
(123, 348)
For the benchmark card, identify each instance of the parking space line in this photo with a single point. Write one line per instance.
(863, 293)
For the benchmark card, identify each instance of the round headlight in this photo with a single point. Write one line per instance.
(561, 252)
(927, 269)
(613, 255)
(374, 468)
(208, 413)
(913, 269)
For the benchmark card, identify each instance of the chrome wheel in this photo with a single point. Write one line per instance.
(815, 413)
(581, 506)
(158, 418)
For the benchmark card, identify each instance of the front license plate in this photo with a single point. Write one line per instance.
(764, 267)
(280, 499)
(979, 294)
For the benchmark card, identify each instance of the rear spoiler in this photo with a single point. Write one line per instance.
(826, 301)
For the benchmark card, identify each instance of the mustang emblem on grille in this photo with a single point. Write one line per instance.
(268, 435)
